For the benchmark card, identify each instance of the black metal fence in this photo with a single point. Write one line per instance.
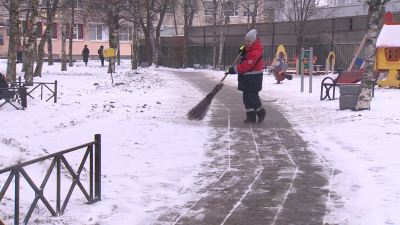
(93, 150)
(340, 35)
(202, 56)
(36, 85)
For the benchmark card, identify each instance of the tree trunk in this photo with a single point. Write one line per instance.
(113, 43)
(134, 63)
(24, 41)
(63, 44)
(156, 48)
(215, 34)
(50, 51)
(119, 52)
(71, 33)
(12, 45)
(374, 13)
(39, 63)
(224, 23)
(30, 48)
(50, 16)
(45, 38)
(185, 31)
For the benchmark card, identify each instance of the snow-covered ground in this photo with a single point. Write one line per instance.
(152, 155)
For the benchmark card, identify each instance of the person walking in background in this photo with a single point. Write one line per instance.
(250, 77)
(85, 54)
(101, 56)
(19, 54)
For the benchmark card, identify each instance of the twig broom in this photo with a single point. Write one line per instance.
(200, 110)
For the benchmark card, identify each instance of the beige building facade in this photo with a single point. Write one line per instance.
(94, 35)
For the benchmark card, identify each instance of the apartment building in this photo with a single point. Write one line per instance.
(94, 34)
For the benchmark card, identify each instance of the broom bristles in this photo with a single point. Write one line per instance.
(200, 110)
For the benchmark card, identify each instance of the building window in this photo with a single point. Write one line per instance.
(39, 29)
(208, 8)
(248, 9)
(54, 31)
(171, 8)
(231, 8)
(194, 4)
(95, 5)
(125, 33)
(97, 33)
(78, 4)
(77, 32)
(269, 15)
(392, 54)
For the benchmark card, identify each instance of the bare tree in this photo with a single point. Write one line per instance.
(375, 12)
(30, 46)
(189, 8)
(251, 8)
(71, 31)
(50, 13)
(50, 50)
(146, 20)
(63, 38)
(131, 14)
(135, 39)
(161, 10)
(298, 12)
(109, 12)
(13, 8)
(224, 16)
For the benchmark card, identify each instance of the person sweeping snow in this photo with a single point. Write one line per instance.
(250, 77)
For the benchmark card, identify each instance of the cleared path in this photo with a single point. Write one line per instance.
(268, 176)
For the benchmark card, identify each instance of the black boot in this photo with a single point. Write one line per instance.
(261, 115)
(251, 117)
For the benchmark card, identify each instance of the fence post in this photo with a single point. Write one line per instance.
(55, 91)
(97, 166)
(16, 205)
(311, 70)
(23, 96)
(58, 200)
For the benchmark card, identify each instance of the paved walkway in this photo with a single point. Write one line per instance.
(269, 175)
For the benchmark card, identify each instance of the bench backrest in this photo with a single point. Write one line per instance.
(353, 76)
(3, 81)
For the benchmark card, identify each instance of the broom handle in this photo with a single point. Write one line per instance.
(237, 58)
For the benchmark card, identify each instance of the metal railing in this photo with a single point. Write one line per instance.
(14, 94)
(93, 150)
(41, 85)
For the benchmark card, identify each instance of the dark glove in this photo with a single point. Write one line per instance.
(230, 71)
(242, 49)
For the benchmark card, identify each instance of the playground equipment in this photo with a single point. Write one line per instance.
(305, 62)
(310, 65)
(330, 63)
(281, 49)
(357, 53)
(389, 19)
(388, 55)
(278, 65)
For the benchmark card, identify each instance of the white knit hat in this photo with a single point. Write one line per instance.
(251, 36)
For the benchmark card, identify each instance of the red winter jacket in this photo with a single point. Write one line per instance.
(251, 81)
(252, 55)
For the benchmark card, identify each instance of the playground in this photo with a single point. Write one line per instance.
(387, 62)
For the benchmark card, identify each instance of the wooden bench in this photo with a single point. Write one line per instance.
(343, 78)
